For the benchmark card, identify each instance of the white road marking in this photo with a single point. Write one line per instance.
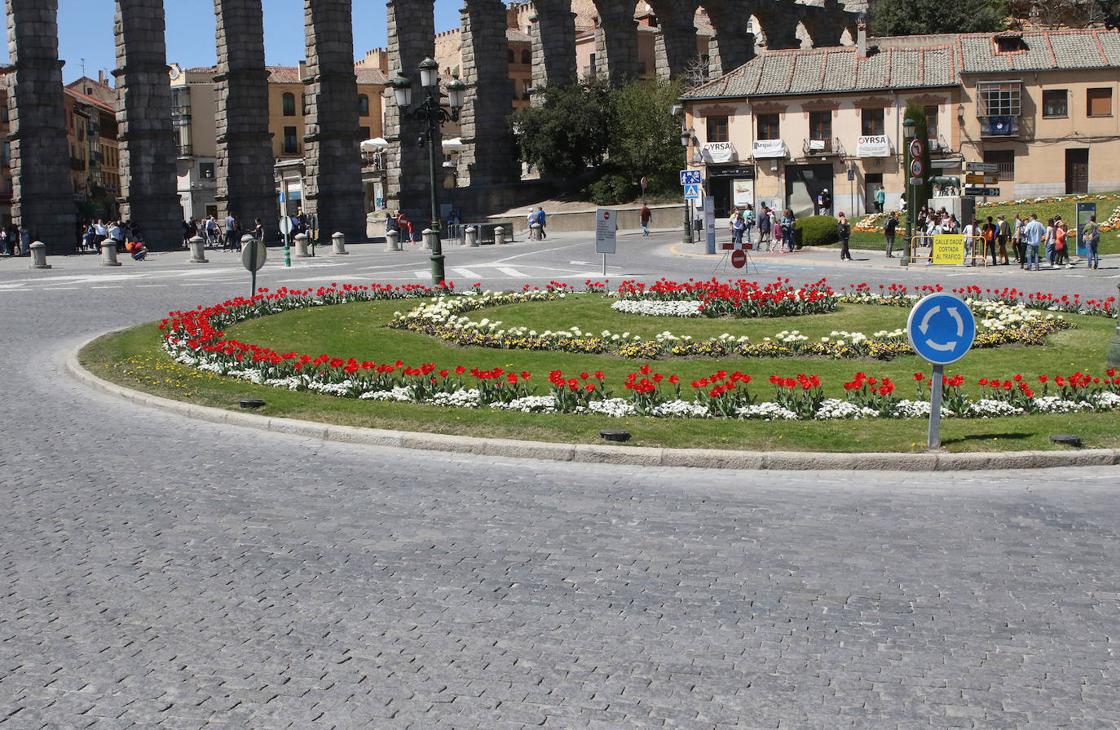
(512, 272)
(465, 273)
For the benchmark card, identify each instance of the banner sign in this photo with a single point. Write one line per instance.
(720, 152)
(742, 192)
(766, 149)
(948, 250)
(874, 145)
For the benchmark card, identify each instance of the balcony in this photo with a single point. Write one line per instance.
(999, 126)
(183, 150)
(822, 148)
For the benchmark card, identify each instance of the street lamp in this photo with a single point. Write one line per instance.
(686, 140)
(434, 115)
(907, 137)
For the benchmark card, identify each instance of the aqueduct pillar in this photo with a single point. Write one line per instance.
(489, 156)
(42, 194)
(616, 42)
(147, 157)
(676, 43)
(553, 33)
(332, 156)
(245, 178)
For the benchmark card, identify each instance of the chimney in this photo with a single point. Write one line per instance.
(101, 77)
(861, 38)
(302, 70)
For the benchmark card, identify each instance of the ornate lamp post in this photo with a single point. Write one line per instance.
(686, 141)
(432, 112)
(907, 136)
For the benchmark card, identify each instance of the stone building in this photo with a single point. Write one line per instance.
(1039, 104)
(91, 133)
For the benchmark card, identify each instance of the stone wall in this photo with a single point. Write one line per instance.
(553, 36)
(148, 183)
(489, 155)
(245, 185)
(332, 157)
(411, 40)
(616, 42)
(42, 195)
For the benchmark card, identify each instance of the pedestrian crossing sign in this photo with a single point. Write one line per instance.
(691, 192)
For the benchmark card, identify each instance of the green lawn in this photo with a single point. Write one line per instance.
(134, 358)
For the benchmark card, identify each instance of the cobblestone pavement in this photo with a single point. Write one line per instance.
(160, 572)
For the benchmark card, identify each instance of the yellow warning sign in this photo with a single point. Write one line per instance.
(948, 250)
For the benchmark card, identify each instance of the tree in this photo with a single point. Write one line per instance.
(916, 17)
(645, 138)
(568, 132)
(1066, 13)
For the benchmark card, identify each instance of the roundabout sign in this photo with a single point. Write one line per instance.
(941, 329)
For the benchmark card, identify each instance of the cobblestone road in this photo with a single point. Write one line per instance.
(159, 572)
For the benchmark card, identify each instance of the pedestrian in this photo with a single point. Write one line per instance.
(1017, 240)
(748, 222)
(1033, 235)
(880, 199)
(844, 231)
(890, 230)
(989, 236)
(788, 222)
(644, 216)
(1091, 235)
(5, 247)
(969, 234)
(230, 231)
(738, 226)
(542, 220)
(776, 243)
(764, 223)
(258, 230)
(1061, 251)
(1003, 234)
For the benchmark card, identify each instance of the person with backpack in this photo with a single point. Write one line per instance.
(1091, 235)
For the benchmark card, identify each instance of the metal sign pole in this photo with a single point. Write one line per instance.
(934, 441)
(604, 264)
(253, 269)
(287, 251)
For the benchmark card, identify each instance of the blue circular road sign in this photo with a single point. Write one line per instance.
(941, 328)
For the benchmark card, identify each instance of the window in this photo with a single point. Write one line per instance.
(509, 56)
(1010, 43)
(931, 122)
(820, 125)
(717, 129)
(1055, 103)
(289, 105)
(872, 122)
(365, 133)
(999, 99)
(769, 126)
(291, 146)
(1099, 102)
(1006, 161)
(527, 57)
(363, 106)
(206, 170)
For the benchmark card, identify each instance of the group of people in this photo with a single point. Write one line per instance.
(124, 233)
(1030, 240)
(399, 223)
(226, 234)
(775, 230)
(15, 241)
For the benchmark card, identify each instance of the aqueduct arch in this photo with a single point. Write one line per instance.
(41, 194)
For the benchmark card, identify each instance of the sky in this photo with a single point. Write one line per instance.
(86, 32)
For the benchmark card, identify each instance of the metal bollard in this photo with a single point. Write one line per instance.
(535, 232)
(429, 238)
(470, 237)
(39, 256)
(109, 253)
(338, 245)
(198, 250)
(301, 246)
(499, 236)
(392, 241)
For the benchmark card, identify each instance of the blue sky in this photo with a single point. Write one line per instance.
(86, 31)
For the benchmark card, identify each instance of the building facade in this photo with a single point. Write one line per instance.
(786, 126)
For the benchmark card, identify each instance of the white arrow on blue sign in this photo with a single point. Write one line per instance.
(941, 328)
(690, 177)
(691, 192)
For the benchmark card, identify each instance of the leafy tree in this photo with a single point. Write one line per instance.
(1067, 13)
(568, 132)
(645, 138)
(921, 193)
(916, 17)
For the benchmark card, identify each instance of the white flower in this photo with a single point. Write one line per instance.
(680, 409)
(768, 411)
(832, 408)
(529, 404)
(1107, 399)
(614, 407)
(987, 408)
(459, 399)
(657, 308)
(398, 393)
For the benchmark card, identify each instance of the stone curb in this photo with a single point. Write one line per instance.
(605, 454)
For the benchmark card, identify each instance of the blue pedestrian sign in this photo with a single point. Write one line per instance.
(690, 177)
(691, 192)
(941, 328)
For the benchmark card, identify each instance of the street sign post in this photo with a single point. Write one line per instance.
(692, 191)
(973, 178)
(710, 223)
(978, 192)
(738, 258)
(253, 256)
(941, 330)
(981, 167)
(948, 250)
(286, 229)
(606, 234)
(690, 177)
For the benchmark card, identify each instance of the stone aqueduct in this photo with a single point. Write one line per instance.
(42, 197)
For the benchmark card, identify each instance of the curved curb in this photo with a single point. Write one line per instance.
(602, 454)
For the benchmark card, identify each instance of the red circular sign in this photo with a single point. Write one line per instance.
(738, 258)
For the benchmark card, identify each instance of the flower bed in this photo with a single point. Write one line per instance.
(1003, 319)
(197, 339)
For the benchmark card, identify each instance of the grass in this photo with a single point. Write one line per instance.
(133, 358)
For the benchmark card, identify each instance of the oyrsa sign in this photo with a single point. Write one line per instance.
(720, 152)
(873, 145)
